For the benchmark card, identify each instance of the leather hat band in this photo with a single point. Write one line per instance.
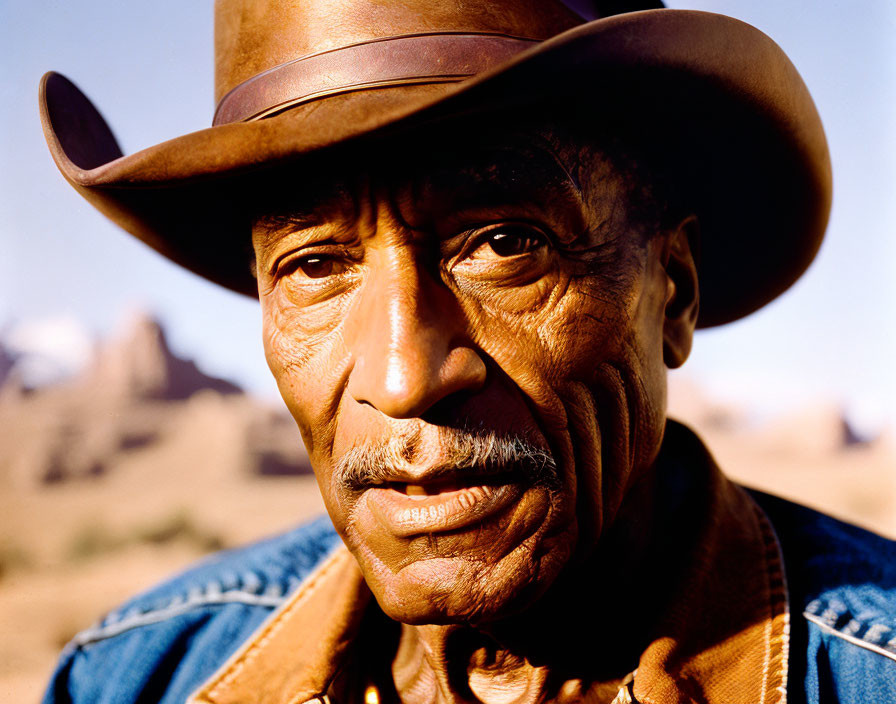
(402, 60)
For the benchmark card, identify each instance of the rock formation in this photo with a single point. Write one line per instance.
(136, 396)
(140, 365)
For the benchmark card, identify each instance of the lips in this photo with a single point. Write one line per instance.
(408, 509)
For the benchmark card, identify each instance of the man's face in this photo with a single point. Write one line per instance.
(472, 346)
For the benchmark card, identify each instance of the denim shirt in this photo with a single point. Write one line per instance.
(162, 645)
(842, 588)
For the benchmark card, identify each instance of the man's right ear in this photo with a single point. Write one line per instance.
(680, 255)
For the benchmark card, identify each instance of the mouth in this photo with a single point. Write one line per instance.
(446, 504)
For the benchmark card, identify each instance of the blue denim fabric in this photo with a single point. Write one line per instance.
(160, 646)
(842, 587)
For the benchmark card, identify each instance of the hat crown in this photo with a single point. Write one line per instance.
(756, 151)
(253, 36)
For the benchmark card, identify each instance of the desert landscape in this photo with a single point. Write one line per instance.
(126, 472)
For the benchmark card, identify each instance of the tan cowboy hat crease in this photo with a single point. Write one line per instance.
(293, 80)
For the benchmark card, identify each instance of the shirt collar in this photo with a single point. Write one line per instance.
(724, 638)
(725, 635)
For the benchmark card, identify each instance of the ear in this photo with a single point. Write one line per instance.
(682, 291)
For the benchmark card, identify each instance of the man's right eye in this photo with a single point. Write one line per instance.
(314, 266)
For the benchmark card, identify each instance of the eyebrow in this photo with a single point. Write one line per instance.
(275, 223)
(287, 211)
(525, 170)
(268, 230)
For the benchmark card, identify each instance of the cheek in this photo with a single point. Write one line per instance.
(595, 382)
(615, 360)
(309, 363)
(508, 300)
(294, 335)
(512, 326)
(555, 345)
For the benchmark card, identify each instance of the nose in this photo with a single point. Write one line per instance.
(407, 336)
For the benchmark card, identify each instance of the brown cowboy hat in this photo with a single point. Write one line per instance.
(718, 98)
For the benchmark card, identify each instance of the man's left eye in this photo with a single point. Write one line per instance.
(513, 241)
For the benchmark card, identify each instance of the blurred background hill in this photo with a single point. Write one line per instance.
(122, 469)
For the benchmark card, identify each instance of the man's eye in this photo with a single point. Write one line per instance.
(316, 266)
(512, 241)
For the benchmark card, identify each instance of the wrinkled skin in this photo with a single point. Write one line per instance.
(507, 289)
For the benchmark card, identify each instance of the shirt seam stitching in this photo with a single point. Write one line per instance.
(772, 553)
(93, 635)
(854, 640)
(209, 691)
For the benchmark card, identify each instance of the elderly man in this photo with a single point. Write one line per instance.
(480, 232)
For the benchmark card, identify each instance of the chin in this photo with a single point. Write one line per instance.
(465, 590)
(484, 562)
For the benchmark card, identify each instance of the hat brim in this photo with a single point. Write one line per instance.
(717, 96)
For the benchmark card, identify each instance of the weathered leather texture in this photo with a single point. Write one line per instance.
(743, 129)
(391, 61)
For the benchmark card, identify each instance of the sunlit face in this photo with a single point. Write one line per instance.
(472, 346)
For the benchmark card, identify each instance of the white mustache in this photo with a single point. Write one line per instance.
(460, 451)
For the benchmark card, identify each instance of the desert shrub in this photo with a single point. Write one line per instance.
(94, 540)
(12, 557)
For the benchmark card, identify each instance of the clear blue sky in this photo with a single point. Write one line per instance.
(148, 66)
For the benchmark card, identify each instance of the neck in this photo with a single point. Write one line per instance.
(460, 664)
(577, 643)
